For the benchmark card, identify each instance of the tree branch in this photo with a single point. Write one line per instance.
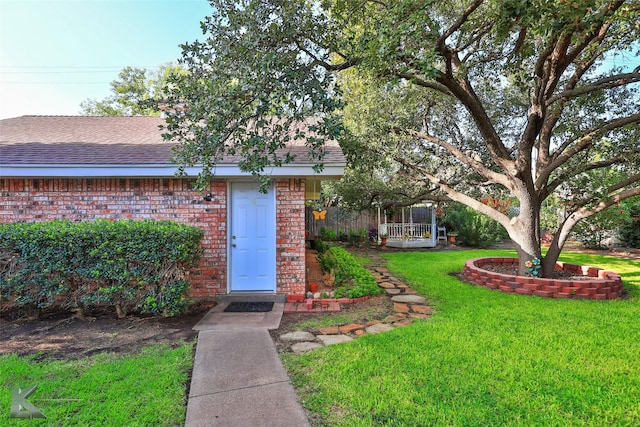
(456, 195)
(581, 143)
(553, 115)
(619, 160)
(441, 41)
(429, 84)
(602, 84)
(564, 54)
(585, 212)
(478, 166)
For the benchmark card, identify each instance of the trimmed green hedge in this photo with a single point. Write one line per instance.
(131, 265)
(352, 279)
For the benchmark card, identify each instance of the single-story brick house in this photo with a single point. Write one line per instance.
(83, 168)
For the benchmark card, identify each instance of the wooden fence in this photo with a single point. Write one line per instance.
(344, 221)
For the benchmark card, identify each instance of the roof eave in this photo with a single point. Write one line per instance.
(333, 170)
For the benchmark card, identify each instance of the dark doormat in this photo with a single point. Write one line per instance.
(249, 307)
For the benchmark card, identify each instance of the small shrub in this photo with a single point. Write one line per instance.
(352, 280)
(357, 237)
(130, 265)
(328, 235)
(320, 246)
(473, 228)
(327, 260)
(630, 229)
(593, 231)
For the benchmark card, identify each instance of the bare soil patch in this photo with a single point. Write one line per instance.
(64, 336)
(513, 271)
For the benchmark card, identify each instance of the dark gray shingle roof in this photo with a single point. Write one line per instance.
(88, 140)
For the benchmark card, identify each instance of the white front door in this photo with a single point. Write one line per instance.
(253, 239)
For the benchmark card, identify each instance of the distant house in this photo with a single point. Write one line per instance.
(83, 168)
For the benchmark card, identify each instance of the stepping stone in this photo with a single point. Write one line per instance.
(409, 299)
(303, 347)
(403, 322)
(424, 309)
(378, 327)
(418, 316)
(393, 291)
(297, 336)
(360, 332)
(400, 307)
(394, 318)
(350, 328)
(334, 339)
(386, 285)
(329, 330)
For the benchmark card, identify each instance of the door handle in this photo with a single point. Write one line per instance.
(233, 245)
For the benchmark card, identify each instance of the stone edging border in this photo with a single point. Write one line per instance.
(605, 285)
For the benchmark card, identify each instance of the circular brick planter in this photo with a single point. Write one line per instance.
(605, 285)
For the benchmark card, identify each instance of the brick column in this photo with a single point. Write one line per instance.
(290, 249)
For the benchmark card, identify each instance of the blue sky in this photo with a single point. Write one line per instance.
(55, 54)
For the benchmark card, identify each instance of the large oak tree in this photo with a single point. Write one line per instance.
(519, 97)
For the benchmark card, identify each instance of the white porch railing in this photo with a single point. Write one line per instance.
(411, 233)
(407, 231)
(408, 235)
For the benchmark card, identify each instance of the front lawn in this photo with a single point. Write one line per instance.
(485, 357)
(139, 389)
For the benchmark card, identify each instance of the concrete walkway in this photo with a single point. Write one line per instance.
(238, 379)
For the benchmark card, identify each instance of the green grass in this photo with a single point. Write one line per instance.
(485, 357)
(143, 389)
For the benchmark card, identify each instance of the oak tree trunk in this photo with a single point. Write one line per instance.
(524, 231)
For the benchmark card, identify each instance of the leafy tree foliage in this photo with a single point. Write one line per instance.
(594, 231)
(630, 227)
(361, 189)
(136, 92)
(472, 228)
(474, 97)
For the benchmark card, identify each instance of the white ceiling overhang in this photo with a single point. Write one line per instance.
(332, 171)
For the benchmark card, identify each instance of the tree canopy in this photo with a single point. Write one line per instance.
(136, 92)
(525, 97)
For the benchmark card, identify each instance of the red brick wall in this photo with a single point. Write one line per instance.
(173, 199)
(30, 200)
(290, 262)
